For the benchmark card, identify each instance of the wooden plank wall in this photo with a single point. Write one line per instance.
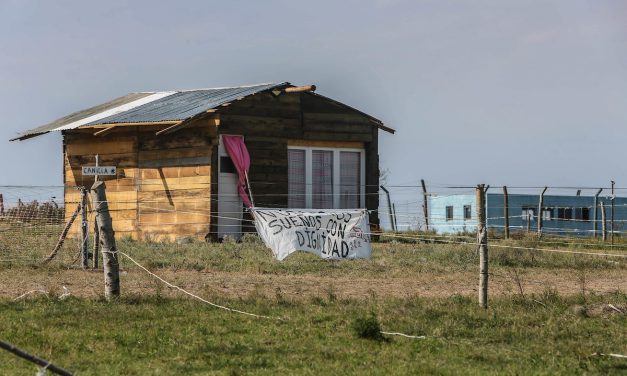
(163, 184)
(174, 186)
(117, 149)
(268, 122)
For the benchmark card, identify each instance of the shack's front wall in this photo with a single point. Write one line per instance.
(163, 183)
(270, 123)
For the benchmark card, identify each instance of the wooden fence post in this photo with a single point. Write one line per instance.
(1, 205)
(540, 211)
(482, 245)
(107, 241)
(603, 223)
(394, 212)
(595, 224)
(96, 248)
(387, 193)
(63, 235)
(84, 230)
(506, 212)
(425, 205)
(612, 213)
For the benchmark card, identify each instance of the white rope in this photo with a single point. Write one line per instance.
(31, 292)
(612, 355)
(403, 335)
(196, 296)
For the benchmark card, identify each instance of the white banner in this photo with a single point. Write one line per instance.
(329, 233)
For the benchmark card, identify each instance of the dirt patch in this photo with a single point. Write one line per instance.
(15, 282)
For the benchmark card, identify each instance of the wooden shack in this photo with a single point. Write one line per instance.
(174, 179)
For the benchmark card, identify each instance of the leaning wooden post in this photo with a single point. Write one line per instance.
(482, 245)
(84, 230)
(425, 205)
(603, 222)
(107, 241)
(540, 209)
(394, 212)
(387, 193)
(506, 212)
(34, 359)
(595, 215)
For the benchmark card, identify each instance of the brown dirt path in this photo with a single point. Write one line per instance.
(14, 282)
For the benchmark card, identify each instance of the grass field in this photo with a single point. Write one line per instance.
(548, 312)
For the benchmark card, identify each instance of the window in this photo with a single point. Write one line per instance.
(547, 214)
(350, 178)
(322, 179)
(467, 212)
(449, 213)
(565, 213)
(582, 214)
(296, 181)
(529, 213)
(325, 178)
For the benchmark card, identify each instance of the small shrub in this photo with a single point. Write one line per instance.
(368, 328)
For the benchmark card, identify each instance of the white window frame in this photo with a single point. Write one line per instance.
(336, 173)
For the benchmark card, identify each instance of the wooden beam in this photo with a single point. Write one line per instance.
(300, 89)
(169, 129)
(107, 125)
(184, 123)
(103, 131)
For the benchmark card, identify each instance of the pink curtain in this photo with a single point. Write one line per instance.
(236, 149)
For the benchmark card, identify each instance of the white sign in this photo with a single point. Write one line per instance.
(329, 233)
(99, 170)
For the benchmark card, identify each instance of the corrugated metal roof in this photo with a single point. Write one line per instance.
(184, 104)
(151, 107)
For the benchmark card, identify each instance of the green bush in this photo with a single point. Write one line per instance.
(368, 328)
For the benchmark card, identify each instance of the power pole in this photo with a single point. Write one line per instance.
(425, 207)
(506, 212)
(482, 245)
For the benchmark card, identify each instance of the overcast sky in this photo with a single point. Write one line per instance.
(502, 92)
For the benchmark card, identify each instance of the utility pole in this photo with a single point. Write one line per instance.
(425, 207)
(506, 212)
(482, 246)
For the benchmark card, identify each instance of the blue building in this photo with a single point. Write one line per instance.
(564, 215)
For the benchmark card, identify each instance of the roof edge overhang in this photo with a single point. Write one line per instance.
(378, 123)
(89, 121)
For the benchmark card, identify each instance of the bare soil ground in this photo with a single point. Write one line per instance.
(14, 282)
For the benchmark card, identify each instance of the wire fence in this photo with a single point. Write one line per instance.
(33, 218)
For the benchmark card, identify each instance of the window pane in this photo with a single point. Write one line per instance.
(350, 177)
(449, 213)
(296, 178)
(322, 179)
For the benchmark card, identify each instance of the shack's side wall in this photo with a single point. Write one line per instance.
(163, 183)
(269, 123)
